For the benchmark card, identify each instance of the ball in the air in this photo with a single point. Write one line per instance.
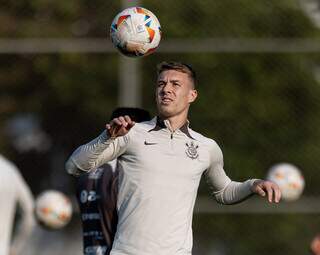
(135, 32)
(53, 209)
(289, 179)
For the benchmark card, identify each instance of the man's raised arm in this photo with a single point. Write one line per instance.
(111, 143)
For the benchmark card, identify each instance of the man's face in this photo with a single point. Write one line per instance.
(174, 93)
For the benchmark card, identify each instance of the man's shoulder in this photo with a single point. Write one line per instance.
(8, 166)
(144, 126)
(209, 144)
(203, 139)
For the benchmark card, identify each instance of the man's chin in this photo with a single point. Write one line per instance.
(165, 112)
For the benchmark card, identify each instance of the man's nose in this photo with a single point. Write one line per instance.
(167, 88)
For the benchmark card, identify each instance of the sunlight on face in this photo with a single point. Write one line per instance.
(174, 93)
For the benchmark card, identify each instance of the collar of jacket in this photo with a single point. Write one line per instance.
(160, 124)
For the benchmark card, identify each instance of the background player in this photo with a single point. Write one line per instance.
(14, 191)
(97, 198)
(315, 245)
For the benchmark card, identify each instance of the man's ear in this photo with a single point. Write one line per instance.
(193, 95)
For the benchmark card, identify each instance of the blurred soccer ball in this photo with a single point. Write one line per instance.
(135, 32)
(290, 180)
(53, 209)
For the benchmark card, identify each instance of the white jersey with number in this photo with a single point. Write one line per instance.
(14, 191)
(159, 175)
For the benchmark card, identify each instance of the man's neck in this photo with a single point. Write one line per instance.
(176, 122)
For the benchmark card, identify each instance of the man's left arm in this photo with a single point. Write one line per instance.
(227, 191)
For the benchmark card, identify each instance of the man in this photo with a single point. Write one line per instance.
(160, 164)
(14, 191)
(97, 198)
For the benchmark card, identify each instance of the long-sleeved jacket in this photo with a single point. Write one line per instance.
(159, 175)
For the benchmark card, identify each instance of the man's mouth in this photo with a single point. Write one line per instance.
(166, 100)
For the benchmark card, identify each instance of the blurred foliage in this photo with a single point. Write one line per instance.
(254, 234)
(72, 94)
(49, 18)
(233, 18)
(261, 108)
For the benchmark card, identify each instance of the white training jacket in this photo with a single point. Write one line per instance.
(159, 175)
(14, 191)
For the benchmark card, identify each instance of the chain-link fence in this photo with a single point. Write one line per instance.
(259, 97)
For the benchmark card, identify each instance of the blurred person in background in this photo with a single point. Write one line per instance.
(160, 165)
(315, 245)
(14, 193)
(97, 197)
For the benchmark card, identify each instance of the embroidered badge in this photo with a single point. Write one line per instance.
(192, 150)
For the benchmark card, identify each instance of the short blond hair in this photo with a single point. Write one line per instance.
(178, 66)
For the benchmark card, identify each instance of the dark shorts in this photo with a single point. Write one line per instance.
(97, 198)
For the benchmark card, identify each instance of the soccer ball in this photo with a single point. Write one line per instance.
(53, 209)
(289, 179)
(135, 32)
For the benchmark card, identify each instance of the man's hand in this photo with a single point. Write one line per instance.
(119, 126)
(267, 188)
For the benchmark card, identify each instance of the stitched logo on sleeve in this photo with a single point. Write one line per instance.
(192, 150)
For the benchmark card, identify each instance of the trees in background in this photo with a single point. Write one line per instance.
(261, 108)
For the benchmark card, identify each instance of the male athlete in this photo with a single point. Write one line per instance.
(97, 198)
(14, 192)
(160, 164)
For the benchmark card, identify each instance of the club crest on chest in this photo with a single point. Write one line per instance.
(192, 150)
